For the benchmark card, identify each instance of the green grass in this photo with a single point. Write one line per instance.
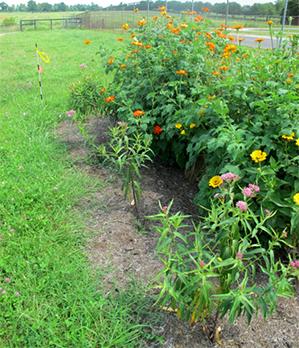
(51, 299)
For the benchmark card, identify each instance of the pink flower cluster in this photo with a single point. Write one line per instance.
(229, 177)
(242, 205)
(294, 264)
(251, 190)
(70, 113)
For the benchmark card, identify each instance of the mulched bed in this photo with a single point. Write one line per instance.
(119, 247)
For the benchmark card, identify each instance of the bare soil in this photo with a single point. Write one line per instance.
(125, 252)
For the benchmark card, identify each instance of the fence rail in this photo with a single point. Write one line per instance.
(69, 22)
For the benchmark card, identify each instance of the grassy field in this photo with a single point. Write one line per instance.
(48, 296)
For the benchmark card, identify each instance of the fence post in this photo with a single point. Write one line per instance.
(51, 23)
(21, 25)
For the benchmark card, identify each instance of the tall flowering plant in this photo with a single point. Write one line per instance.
(210, 271)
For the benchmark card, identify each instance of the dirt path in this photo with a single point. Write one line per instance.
(119, 248)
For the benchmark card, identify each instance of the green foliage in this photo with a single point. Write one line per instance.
(215, 102)
(128, 153)
(84, 95)
(8, 21)
(210, 270)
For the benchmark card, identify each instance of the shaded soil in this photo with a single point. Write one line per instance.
(125, 252)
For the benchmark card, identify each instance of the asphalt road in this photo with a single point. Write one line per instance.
(249, 40)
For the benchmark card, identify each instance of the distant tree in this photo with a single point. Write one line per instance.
(60, 7)
(44, 7)
(31, 6)
(3, 7)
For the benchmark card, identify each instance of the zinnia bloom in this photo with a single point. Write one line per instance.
(238, 27)
(211, 46)
(142, 22)
(258, 156)
(157, 130)
(125, 26)
(198, 18)
(242, 205)
(87, 42)
(120, 39)
(138, 113)
(269, 22)
(288, 137)
(70, 113)
(110, 60)
(296, 198)
(110, 99)
(228, 177)
(215, 181)
(259, 40)
(205, 9)
(224, 68)
(182, 72)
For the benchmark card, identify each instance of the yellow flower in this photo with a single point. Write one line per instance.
(178, 125)
(183, 132)
(87, 42)
(297, 142)
(258, 156)
(296, 198)
(288, 137)
(110, 60)
(184, 25)
(125, 26)
(270, 22)
(142, 22)
(192, 125)
(215, 181)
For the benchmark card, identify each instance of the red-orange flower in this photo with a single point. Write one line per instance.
(205, 9)
(216, 73)
(120, 39)
(157, 130)
(110, 99)
(224, 68)
(138, 113)
(198, 18)
(102, 90)
(211, 46)
(176, 31)
(259, 40)
(147, 46)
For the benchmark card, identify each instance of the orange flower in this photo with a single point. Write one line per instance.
(110, 99)
(169, 25)
(198, 18)
(176, 31)
(238, 27)
(147, 46)
(120, 39)
(142, 22)
(205, 9)
(182, 72)
(138, 113)
(269, 22)
(290, 75)
(224, 68)
(125, 26)
(231, 38)
(216, 73)
(136, 43)
(110, 60)
(240, 39)
(123, 66)
(229, 49)
(208, 35)
(87, 42)
(259, 40)
(154, 18)
(157, 130)
(102, 90)
(211, 46)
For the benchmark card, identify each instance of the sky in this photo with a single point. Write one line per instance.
(105, 3)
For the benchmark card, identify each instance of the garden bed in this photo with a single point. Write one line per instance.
(127, 253)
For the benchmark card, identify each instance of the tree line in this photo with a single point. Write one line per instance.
(235, 8)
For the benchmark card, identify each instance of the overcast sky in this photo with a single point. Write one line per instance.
(105, 3)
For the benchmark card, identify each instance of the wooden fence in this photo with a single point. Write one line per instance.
(70, 22)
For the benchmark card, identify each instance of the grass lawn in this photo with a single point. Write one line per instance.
(48, 297)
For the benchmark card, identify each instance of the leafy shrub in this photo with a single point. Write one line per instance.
(84, 95)
(210, 271)
(206, 99)
(9, 21)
